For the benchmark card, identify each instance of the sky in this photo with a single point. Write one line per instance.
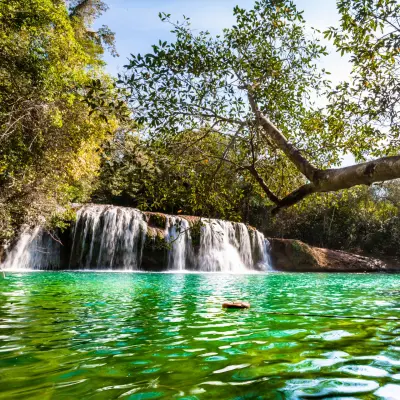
(137, 27)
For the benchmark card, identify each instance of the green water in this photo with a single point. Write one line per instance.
(165, 336)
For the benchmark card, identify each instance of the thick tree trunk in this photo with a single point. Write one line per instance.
(320, 180)
(381, 169)
(291, 152)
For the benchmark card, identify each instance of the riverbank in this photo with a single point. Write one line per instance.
(291, 255)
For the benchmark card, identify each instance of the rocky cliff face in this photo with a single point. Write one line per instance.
(295, 256)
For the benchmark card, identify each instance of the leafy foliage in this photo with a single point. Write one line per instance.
(179, 178)
(48, 141)
(368, 104)
(200, 82)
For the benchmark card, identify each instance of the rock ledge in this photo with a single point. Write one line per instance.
(295, 256)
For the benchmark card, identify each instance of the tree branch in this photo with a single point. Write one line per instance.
(294, 154)
(379, 170)
(263, 185)
(228, 147)
(331, 180)
(294, 197)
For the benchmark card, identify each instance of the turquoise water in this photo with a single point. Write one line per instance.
(164, 336)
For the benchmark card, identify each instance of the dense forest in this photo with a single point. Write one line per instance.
(229, 126)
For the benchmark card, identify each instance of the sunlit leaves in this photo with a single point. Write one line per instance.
(200, 81)
(180, 176)
(369, 34)
(56, 108)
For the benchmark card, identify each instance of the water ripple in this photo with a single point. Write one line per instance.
(165, 336)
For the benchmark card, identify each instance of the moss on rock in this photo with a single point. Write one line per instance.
(195, 229)
(155, 238)
(157, 220)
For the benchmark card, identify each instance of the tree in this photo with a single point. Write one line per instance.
(54, 111)
(83, 13)
(369, 33)
(255, 83)
(179, 178)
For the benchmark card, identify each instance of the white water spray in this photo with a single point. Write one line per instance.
(108, 237)
(34, 249)
(177, 236)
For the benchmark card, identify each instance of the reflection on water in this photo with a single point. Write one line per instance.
(152, 336)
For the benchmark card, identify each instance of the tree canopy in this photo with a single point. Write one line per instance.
(178, 178)
(256, 84)
(369, 33)
(54, 108)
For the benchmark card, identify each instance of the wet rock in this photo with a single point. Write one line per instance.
(155, 250)
(295, 256)
(156, 219)
(2, 254)
(235, 304)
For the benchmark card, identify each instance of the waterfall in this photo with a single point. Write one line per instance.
(244, 244)
(178, 238)
(106, 237)
(261, 251)
(34, 249)
(219, 248)
(232, 247)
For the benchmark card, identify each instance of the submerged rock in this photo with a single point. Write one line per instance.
(295, 256)
(235, 304)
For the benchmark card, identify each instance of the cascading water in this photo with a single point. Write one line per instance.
(34, 249)
(108, 237)
(244, 244)
(219, 248)
(261, 250)
(177, 236)
(111, 237)
(232, 247)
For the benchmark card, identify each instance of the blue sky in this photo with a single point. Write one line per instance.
(137, 27)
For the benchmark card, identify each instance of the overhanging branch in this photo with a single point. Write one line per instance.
(271, 131)
(329, 180)
(263, 185)
(294, 197)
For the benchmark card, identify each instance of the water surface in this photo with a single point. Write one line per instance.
(164, 336)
